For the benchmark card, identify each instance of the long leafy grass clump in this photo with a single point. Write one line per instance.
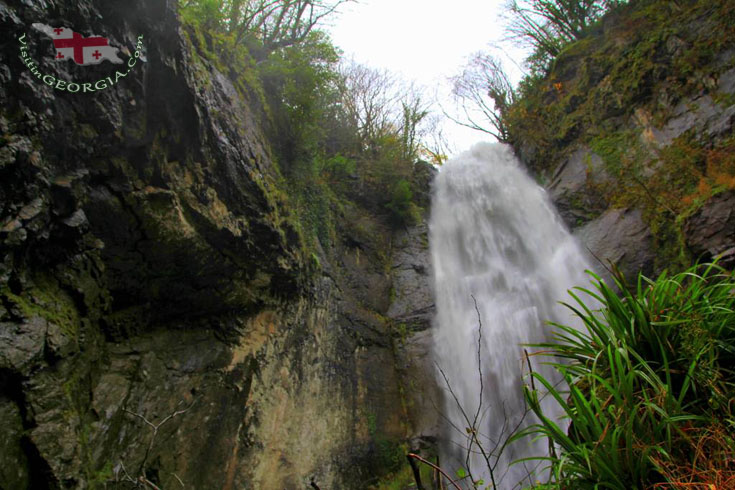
(650, 392)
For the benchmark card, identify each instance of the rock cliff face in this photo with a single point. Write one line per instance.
(412, 313)
(158, 312)
(619, 234)
(631, 132)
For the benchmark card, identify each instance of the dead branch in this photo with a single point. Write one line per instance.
(419, 458)
(416, 472)
(475, 445)
(155, 428)
(142, 480)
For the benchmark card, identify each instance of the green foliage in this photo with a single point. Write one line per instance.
(209, 14)
(548, 26)
(403, 210)
(298, 92)
(610, 89)
(299, 84)
(264, 27)
(403, 478)
(315, 205)
(47, 300)
(210, 46)
(595, 83)
(649, 371)
(390, 454)
(337, 169)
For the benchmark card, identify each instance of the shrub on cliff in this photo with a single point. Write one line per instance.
(547, 26)
(403, 210)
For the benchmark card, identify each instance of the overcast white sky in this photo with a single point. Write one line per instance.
(426, 41)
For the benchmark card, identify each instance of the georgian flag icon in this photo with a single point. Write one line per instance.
(83, 50)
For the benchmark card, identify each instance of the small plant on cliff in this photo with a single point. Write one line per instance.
(403, 210)
(650, 384)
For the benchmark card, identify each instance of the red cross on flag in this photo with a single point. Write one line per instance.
(83, 50)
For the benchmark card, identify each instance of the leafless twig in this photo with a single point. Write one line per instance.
(179, 480)
(155, 428)
(419, 458)
(142, 480)
(498, 442)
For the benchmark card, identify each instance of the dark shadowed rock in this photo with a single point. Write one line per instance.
(710, 232)
(149, 263)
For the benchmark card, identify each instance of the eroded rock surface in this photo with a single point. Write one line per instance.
(412, 313)
(150, 267)
(631, 127)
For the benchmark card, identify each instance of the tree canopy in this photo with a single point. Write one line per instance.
(272, 24)
(331, 122)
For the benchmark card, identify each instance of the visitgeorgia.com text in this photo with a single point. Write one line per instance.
(75, 87)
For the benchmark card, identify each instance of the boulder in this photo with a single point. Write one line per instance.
(710, 232)
(620, 237)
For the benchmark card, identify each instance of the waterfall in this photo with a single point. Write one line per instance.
(495, 235)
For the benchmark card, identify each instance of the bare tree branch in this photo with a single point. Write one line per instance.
(278, 23)
(477, 443)
(429, 463)
(142, 479)
(483, 93)
(472, 429)
(547, 25)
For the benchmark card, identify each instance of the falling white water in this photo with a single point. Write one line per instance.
(495, 235)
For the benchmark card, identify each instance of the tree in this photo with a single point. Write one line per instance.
(433, 146)
(368, 99)
(483, 93)
(547, 25)
(266, 25)
(378, 108)
(299, 83)
(404, 211)
(414, 111)
(278, 23)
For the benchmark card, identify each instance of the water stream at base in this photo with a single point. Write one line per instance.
(495, 235)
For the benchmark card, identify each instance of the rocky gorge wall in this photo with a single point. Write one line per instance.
(631, 131)
(151, 269)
